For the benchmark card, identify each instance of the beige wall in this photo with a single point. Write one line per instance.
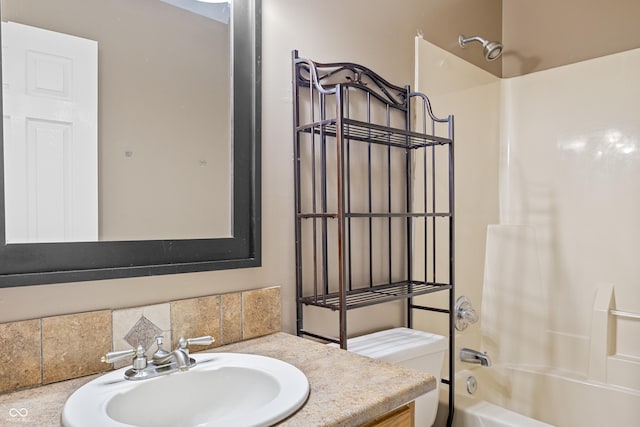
(445, 20)
(375, 33)
(543, 34)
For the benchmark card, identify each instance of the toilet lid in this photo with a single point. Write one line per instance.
(398, 344)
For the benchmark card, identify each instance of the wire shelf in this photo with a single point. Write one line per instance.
(312, 215)
(375, 295)
(370, 132)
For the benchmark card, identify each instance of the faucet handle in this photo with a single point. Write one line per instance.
(465, 314)
(114, 356)
(204, 340)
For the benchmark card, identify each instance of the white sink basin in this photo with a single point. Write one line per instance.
(224, 389)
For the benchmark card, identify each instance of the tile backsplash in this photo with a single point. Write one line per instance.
(21, 355)
(43, 351)
(70, 344)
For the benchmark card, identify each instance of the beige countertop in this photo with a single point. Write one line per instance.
(345, 389)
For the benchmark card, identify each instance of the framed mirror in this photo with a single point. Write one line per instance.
(171, 178)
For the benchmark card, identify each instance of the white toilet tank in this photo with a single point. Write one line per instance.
(413, 349)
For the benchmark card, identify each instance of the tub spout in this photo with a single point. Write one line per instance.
(473, 356)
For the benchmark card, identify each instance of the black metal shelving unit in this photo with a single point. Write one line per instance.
(374, 199)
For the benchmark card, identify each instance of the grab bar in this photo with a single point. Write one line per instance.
(626, 314)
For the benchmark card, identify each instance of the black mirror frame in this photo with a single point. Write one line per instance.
(26, 264)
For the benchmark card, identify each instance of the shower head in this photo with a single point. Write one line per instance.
(492, 50)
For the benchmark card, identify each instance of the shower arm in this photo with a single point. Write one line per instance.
(462, 40)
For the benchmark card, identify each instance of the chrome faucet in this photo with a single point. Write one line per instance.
(473, 356)
(182, 361)
(162, 362)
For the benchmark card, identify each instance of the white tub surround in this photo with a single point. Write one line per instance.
(559, 289)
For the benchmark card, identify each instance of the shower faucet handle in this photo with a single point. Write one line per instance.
(465, 313)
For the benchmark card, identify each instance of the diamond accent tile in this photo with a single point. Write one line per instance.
(143, 332)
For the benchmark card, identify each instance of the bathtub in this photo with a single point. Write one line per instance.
(519, 396)
(477, 410)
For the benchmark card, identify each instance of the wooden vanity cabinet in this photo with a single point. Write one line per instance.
(403, 416)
